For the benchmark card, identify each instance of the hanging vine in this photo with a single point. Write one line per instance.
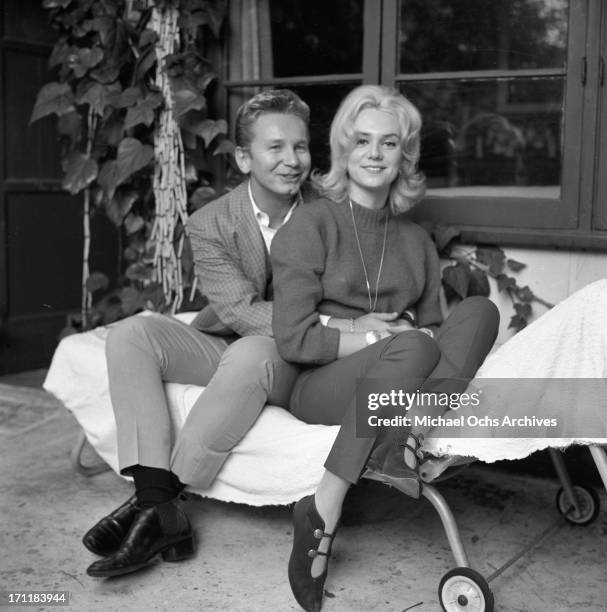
(130, 97)
(169, 181)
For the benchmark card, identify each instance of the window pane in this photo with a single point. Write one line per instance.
(316, 37)
(323, 101)
(448, 35)
(491, 137)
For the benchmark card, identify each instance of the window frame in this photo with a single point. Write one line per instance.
(525, 221)
(578, 218)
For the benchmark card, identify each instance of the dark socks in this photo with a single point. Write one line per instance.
(157, 487)
(154, 486)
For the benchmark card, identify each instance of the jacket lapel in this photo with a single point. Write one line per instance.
(250, 240)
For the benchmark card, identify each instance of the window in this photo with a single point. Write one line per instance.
(511, 92)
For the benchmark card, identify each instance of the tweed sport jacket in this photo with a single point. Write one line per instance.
(232, 266)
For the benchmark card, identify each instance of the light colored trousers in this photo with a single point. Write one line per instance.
(240, 378)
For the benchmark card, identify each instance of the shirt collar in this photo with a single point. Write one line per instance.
(264, 217)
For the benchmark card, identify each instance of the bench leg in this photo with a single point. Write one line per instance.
(600, 459)
(563, 475)
(76, 459)
(448, 520)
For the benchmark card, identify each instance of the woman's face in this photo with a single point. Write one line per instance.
(375, 160)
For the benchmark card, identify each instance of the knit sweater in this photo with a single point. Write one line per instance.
(317, 269)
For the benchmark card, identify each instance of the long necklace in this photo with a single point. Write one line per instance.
(372, 303)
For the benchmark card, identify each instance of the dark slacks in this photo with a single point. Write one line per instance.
(327, 394)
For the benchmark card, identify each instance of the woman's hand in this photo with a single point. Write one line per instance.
(400, 325)
(377, 321)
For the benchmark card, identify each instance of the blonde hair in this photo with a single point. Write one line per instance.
(410, 185)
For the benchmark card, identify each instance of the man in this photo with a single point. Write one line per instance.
(230, 240)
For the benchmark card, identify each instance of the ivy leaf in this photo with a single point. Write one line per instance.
(70, 125)
(185, 100)
(97, 281)
(207, 129)
(456, 280)
(444, 234)
(212, 129)
(133, 223)
(135, 249)
(139, 272)
(143, 112)
(505, 282)
(203, 195)
(106, 73)
(132, 300)
(59, 53)
(225, 146)
(153, 295)
(118, 207)
(82, 60)
(148, 37)
(138, 114)
(103, 25)
(479, 283)
(524, 310)
(98, 96)
(145, 62)
(111, 130)
(132, 156)
(54, 98)
(82, 28)
(493, 257)
(80, 171)
(108, 178)
(115, 40)
(515, 266)
(517, 322)
(525, 294)
(128, 97)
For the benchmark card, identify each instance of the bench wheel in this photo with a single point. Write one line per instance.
(464, 590)
(587, 500)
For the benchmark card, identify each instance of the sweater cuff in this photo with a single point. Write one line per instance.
(330, 344)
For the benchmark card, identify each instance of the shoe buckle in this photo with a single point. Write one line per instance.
(312, 553)
(318, 533)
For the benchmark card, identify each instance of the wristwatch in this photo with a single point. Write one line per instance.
(371, 337)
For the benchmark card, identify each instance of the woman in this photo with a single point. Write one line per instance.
(354, 258)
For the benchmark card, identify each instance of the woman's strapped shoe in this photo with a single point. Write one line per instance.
(308, 531)
(147, 538)
(387, 464)
(413, 455)
(105, 537)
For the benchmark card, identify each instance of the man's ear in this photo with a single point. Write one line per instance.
(243, 159)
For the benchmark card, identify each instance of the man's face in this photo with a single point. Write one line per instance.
(278, 158)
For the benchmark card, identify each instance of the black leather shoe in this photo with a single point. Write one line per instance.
(147, 538)
(105, 537)
(308, 531)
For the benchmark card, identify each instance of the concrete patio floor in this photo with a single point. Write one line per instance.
(391, 560)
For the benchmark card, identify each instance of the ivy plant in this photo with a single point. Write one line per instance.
(470, 268)
(107, 103)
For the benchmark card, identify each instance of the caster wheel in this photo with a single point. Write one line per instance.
(464, 590)
(588, 502)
